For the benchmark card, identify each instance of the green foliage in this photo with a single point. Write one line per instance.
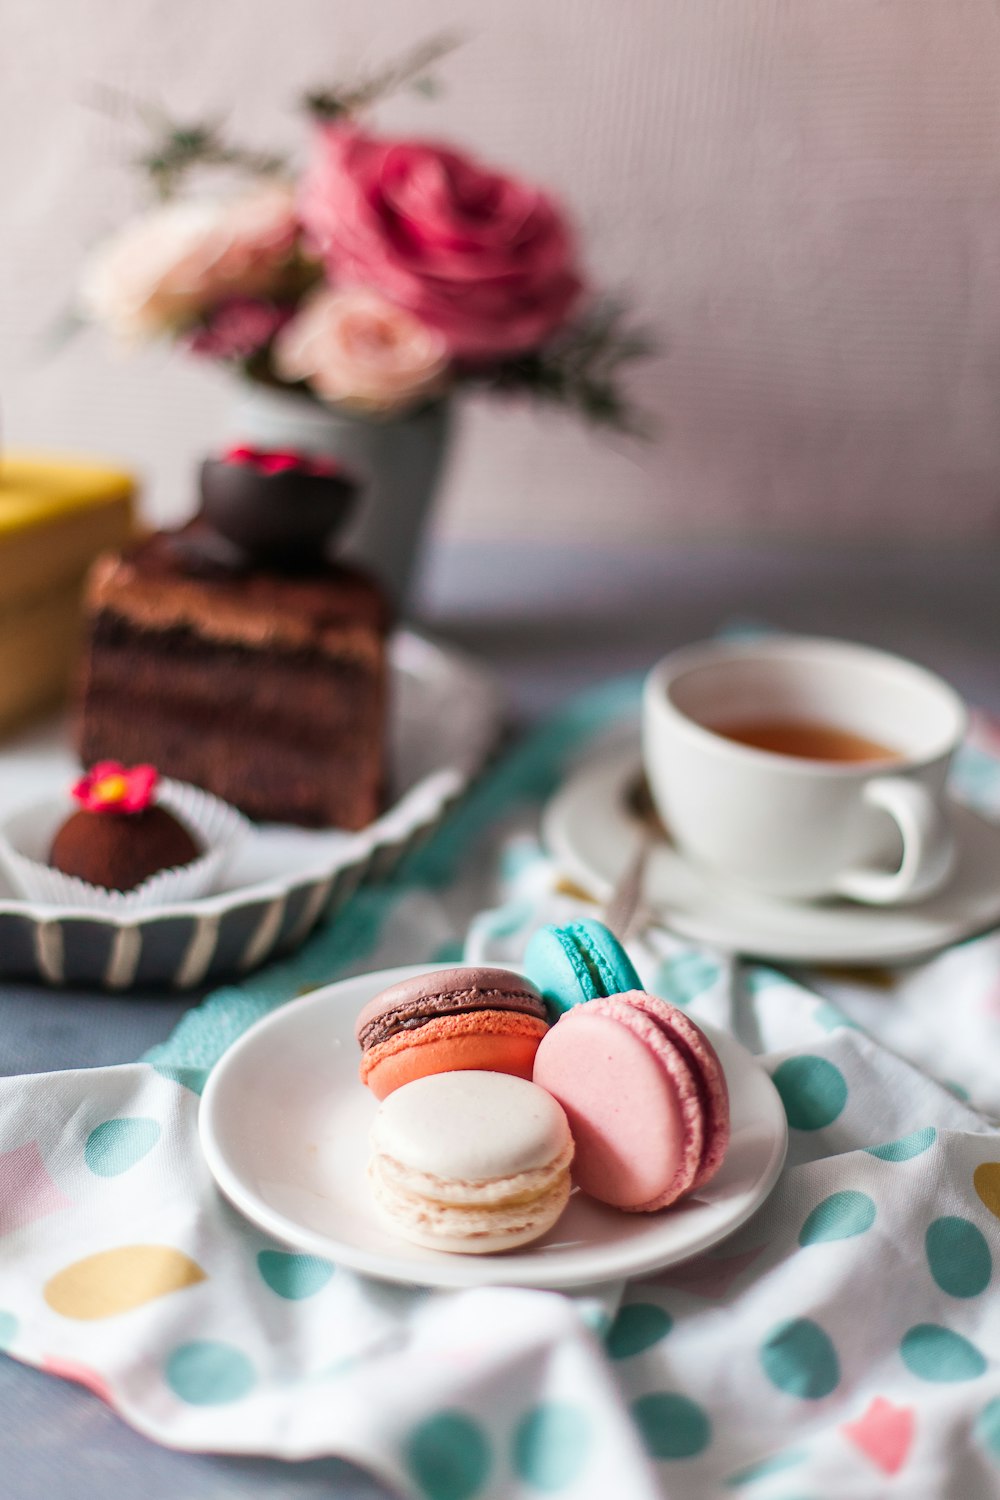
(581, 369)
(412, 70)
(177, 149)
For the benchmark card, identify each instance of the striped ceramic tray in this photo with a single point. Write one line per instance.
(445, 718)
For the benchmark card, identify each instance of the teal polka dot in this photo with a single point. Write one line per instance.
(448, 953)
(8, 1328)
(448, 1456)
(758, 978)
(937, 1354)
(671, 1425)
(958, 1256)
(597, 1320)
(839, 1217)
(812, 1090)
(799, 1358)
(683, 978)
(507, 921)
(116, 1145)
(907, 1147)
(518, 857)
(958, 1089)
(637, 1327)
(188, 1076)
(207, 1373)
(551, 1446)
(776, 1464)
(987, 1428)
(294, 1276)
(832, 1018)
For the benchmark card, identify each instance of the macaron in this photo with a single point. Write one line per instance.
(450, 1020)
(470, 1162)
(581, 961)
(646, 1099)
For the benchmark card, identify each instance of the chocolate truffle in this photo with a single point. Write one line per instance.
(120, 850)
(120, 836)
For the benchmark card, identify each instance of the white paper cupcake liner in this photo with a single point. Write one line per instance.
(26, 837)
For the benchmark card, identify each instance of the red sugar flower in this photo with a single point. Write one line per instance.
(111, 787)
(276, 461)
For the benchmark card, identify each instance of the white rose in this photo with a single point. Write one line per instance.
(161, 272)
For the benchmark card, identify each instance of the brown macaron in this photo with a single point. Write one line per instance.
(450, 1020)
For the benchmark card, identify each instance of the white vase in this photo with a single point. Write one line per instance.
(398, 461)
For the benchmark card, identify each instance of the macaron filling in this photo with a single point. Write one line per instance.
(410, 1016)
(468, 1228)
(598, 972)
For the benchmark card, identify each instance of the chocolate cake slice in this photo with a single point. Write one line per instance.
(267, 689)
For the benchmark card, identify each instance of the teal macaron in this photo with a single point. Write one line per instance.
(581, 961)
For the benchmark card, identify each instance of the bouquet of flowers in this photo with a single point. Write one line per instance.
(376, 279)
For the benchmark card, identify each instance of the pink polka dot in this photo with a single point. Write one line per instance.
(69, 1369)
(27, 1192)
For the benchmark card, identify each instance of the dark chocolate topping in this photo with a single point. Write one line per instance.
(282, 520)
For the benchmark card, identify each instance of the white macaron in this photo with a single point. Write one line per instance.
(470, 1162)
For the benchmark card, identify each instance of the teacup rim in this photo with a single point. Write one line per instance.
(685, 659)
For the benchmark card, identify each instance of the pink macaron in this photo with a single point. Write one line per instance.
(645, 1096)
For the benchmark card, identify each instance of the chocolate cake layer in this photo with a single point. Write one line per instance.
(267, 690)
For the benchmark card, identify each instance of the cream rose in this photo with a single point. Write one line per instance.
(163, 271)
(357, 350)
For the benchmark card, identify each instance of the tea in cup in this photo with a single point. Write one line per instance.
(805, 767)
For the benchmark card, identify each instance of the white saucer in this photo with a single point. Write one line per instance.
(284, 1127)
(593, 835)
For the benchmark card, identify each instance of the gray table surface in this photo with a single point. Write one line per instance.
(549, 622)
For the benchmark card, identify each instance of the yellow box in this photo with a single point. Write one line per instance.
(56, 516)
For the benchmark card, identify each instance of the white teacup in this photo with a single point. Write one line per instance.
(875, 829)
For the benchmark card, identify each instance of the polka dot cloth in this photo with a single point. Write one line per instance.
(845, 1342)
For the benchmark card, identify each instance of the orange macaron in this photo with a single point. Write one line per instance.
(450, 1020)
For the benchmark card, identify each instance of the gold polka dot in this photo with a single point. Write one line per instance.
(986, 1181)
(116, 1281)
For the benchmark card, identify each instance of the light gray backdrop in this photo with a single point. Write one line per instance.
(804, 196)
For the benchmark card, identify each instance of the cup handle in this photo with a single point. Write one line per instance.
(928, 845)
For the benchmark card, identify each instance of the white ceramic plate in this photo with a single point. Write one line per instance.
(284, 1126)
(445, 717)
(593, 835)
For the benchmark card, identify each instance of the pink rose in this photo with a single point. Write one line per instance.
(162, 272)
(486, 260)
(355, 349)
